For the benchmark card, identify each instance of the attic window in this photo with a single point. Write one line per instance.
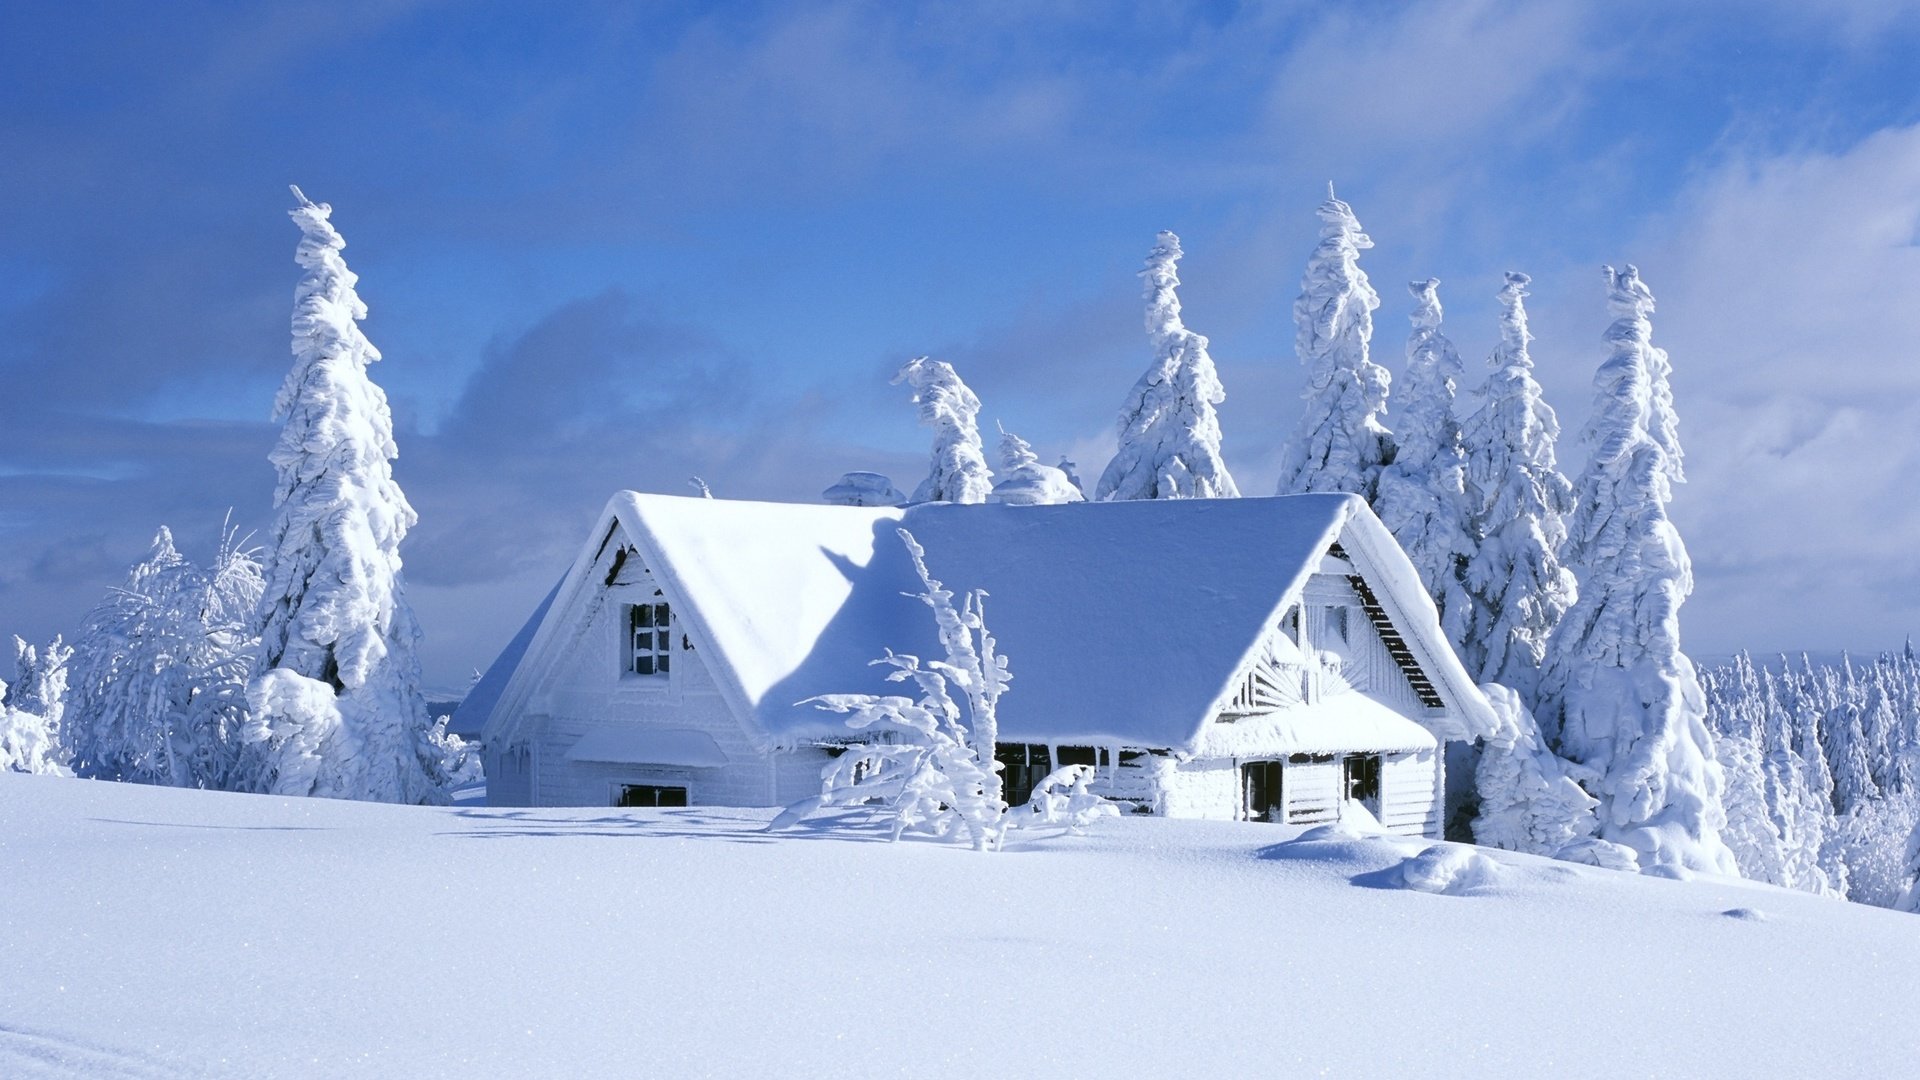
(649, 639)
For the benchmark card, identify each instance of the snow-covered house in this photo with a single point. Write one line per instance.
(1222, 658)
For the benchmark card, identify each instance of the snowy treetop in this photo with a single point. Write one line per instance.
(959, 472)
(1169, 437)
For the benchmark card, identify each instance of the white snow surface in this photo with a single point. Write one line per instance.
(795, 601)
(276, 938)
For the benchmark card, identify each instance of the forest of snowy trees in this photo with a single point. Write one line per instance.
(291, 669)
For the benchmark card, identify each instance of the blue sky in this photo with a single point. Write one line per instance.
(614, 245)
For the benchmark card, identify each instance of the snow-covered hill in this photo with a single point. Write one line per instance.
(159, 933)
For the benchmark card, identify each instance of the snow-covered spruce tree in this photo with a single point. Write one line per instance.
(31, 709)
(336, 703)
(1422, 495)
(1630, 707)
(927, 763)
(1341, 443)
(1518, 501)
(959, 473)
(1026, 482)
(40, 677)
(1737, 718)
(1169, 430)
(160, 670)
(1845, 738)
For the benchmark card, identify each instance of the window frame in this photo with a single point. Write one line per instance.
(665, 642)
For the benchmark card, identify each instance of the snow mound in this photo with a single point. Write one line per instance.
(1450, 870)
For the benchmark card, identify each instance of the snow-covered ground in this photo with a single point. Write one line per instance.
(154, 933)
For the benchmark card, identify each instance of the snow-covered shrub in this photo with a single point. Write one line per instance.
(959, 472)
(1527, 801)
(160, 670)
(1169, 429)
(1341, 443)
(1629, 705)
(1065, 797)
(927, 764)
(334, 611)
(1517, 501)
(1422, 495)
(1026, 482)
(863, 489)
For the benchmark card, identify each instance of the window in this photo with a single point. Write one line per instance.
(1336, 626)
(1261, 785)
(1083, 755)
(1363, 779)
(1025, 765)
(649, 794)
(649, 639)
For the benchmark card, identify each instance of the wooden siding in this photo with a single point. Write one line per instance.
(1312, 791)
(1410, 793)
(588, 689)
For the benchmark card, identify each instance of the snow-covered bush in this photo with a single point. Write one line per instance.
(959, 472)
(334, 610)
(927, 764)
(1169, 429)
(1626, 701)
(1422, 495)
(1527, 801)
(863, 489)
(1341, 442)
(1065, 797)
(1026, 482)
(160, 670)
(1517, 502)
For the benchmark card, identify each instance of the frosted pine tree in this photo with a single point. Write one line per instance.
(40, 678)
(1517, 499)
(31, 708)
(337, 708)
(1631, 708)
(1342, 442)
(1169, 429)
(1422, 495)
(1845, 738)
(1026, 482)
(161, 667)
(1738, 718)
(959, 472)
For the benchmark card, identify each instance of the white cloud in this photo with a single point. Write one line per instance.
(1786, 287)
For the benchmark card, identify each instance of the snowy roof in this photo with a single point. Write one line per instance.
(638, 744)
(1121, 622)
(1340, 724)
